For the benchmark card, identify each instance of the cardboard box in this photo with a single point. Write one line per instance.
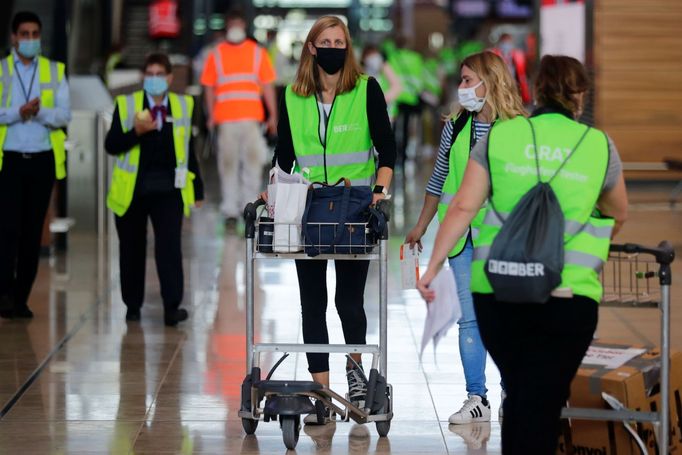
(636, 385)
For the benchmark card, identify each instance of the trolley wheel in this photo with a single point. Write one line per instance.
(383, 427)
(290, 429)
(249, 425)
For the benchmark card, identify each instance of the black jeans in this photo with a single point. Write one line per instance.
(165, 211)
(26, 182)
(538, 349)
(350, 292)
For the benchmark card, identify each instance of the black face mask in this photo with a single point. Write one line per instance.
(330, 59)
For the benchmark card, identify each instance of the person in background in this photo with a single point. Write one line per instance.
(238, 76)
(516, 62)
(155, 177)
(591, 193)
(34, 109)
(486, 95)
(330, 91)
(376, 66)
(408, 65)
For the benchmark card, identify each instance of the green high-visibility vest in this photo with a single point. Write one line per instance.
(408, 66)
(50, 75)
(448, 59)
(126, 166)
(347, 151)
(511, 155)
(459, 157)
(430, 77)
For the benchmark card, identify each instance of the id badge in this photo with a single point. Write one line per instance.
(180, 177)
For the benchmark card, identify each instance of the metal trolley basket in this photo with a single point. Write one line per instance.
(636, 276)
(286, 400)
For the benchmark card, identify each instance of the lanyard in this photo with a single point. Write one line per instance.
(324, 111)
(23, 87)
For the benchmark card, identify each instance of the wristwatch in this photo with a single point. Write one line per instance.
(380, 189)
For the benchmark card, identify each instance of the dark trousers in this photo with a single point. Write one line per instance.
(350, 297)
(538, 348)
(26, 182)
(165, 211)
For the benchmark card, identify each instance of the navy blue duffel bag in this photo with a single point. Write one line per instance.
(339, 220)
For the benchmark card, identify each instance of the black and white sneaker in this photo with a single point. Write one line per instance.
(475, 409)
(357, 385)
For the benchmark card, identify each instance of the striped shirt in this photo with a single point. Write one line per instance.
(442, 167)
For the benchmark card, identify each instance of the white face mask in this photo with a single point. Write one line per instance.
(469, 100)
(235, 35)
(373, 64)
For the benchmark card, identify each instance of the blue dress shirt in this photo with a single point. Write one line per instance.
(33, 135)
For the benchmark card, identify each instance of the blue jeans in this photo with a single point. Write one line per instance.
(471, 349)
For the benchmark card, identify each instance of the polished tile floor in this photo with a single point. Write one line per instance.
(78, 379)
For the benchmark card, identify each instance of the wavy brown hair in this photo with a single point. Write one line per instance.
(559, 80)
(307, 77)
(502, 93)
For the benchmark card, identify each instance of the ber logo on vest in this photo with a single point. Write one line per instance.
(516, 268)
(350, 127)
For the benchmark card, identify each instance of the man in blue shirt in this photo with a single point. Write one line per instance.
(34, 109)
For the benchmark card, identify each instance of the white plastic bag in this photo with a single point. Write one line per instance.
(443, 312)
(286, 203)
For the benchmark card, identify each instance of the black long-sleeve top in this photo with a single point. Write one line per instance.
(156, 170)
(379, 130)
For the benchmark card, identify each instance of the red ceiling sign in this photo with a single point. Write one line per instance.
(163, 19)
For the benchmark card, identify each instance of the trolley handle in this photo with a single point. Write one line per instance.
(664, 254)
(250, 216)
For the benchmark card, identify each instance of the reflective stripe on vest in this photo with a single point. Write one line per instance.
(336, 159)
(50, 76)
(238, 95)
(571, 227)
(577, 187)
(348, 152)
(124, 176)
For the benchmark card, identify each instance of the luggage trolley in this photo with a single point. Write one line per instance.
(287, 400)
(629, 282)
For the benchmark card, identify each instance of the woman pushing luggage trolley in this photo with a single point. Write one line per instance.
(287, 400)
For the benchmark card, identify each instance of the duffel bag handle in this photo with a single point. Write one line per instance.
(346, 183)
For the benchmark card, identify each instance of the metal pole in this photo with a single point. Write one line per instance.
(249, 304)
(383, 305)
(665, 370)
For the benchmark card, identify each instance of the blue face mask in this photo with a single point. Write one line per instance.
(155, 85)
(29, 48)
(506, 47)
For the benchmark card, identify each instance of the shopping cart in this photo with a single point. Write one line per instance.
(287, 400)
(639, 277)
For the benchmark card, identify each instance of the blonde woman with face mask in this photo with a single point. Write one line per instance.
(487, 93)
(329, 93)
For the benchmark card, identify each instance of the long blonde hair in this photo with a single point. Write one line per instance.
(307, 76)
(502, 93)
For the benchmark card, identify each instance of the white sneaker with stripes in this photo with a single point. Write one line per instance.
(475, 409)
